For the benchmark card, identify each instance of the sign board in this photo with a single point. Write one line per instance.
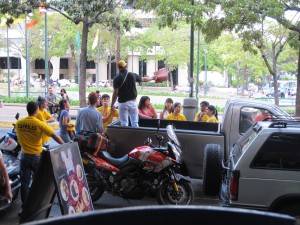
(70, 179)
(60, 172)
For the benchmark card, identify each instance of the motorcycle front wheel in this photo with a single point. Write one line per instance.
(167, 195)
(94, 183)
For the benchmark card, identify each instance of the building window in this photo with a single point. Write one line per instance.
(15, 63)
(64, 64)
(161, 64)
(40, 64)
(3, 63)
(142, 68)
(90, 65)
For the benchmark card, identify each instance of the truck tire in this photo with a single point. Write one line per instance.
(212, 169)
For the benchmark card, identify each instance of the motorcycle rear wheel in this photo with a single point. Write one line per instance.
(94, 183)
(166, 194)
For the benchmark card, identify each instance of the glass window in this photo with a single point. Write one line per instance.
(64, 64)
(3, 63)
(90, 65)
(280, 151)
(142, 68)
(40, 64)
(15, 63)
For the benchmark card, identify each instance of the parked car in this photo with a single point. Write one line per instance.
(64, 83)
(102, 83)
(262, 171)
(282, 93)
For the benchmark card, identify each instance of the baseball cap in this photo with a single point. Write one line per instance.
(40, 100)
(122, 64)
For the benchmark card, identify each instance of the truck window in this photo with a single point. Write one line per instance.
(251, 115)
(243, 144)
(280, 151)
(246, 118)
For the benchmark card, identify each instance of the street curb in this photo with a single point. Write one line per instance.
(9, 124)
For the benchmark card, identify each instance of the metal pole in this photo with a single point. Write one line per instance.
(198, 57)
(205, 75)
(8, 64)
(98, 65)
(46, 51)
(27, 61)
(192, 55)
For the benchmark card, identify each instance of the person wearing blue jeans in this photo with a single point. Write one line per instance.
(30, 131)
(125, 90)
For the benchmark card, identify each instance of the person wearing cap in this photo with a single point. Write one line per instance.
(30, 133)
(89, 118)
(44, 116)
(124, 85)
(107, 113)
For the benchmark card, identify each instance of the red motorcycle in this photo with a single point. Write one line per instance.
(146, 169)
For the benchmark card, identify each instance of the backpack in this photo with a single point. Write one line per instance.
(91, 142)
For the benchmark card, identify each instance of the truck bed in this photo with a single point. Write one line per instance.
(193, 137)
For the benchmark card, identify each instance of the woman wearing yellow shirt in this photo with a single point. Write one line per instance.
(212, 114)
(176, 115)
(107, 113)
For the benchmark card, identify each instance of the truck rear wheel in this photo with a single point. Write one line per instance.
(212, 169)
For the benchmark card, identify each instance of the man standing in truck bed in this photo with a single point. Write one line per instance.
(125, 89)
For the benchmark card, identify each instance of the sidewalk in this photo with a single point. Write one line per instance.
(9, 111)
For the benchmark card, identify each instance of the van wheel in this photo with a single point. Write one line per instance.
(212, 169)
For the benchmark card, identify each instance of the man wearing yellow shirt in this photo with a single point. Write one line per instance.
(107, 113)
(44, 116)
(202, 116)
(30, 131)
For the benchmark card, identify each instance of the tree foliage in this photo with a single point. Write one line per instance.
(86, 13)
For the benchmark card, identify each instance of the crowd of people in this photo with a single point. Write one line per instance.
(34, 131)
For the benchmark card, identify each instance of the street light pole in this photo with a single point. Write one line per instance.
(205, 75)
(198, 57)
(46, 50)
(192, 55)
(8, 63)
(27, 61)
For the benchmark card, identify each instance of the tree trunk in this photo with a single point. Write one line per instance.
(83, 57)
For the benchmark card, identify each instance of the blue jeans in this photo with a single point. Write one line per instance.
(65, 137)
(28, 167)
(130, 109)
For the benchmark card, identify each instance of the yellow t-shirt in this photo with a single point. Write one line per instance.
(203, 119)
(30, 131)
(105, 113)
(43, 115)
(212, 119)
(179, 117)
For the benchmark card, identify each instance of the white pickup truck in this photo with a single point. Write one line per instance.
(237, 118)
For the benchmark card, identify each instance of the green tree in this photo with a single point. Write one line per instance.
(87, 13)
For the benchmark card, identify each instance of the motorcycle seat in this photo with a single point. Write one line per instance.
(114, 161)
(161, 149)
